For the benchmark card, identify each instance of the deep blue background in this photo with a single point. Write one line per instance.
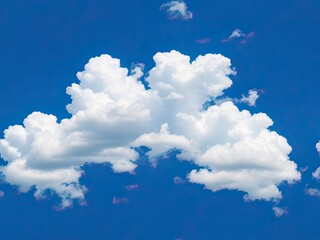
(44, 43)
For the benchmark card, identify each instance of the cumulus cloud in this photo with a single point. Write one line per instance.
(238, 34)
(278, 212)
(112, 113)
(177, 10)
(244, 155)
(109, 109)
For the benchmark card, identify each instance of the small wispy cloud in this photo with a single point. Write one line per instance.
(314, 192)
(176, 10)
(117, 200)
(246, 37)
(238, 34)
(279, 212)
(178, 180)
(303, 169)
(203, 40)
(251, 98)
(131, 187)
(316, 173)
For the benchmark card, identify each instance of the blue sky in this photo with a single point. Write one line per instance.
(43, 44)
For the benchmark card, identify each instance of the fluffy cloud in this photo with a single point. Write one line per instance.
(238, 152)
(177, 10)
(109, 109)
(112, 112)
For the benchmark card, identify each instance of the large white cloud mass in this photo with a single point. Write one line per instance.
(112, 112)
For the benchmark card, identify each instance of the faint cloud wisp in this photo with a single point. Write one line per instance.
(178, 180)
(117, 200)
(203, 40)
(176, 10)
(131, 187)
(279, 212)
(238, 34)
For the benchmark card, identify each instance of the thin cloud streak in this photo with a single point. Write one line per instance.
(131, 187)
(203, 40)
(117, 200)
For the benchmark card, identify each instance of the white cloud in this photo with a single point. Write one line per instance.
(113, 112)
(237, 33)
(236, 148)
(278, 212)
(316, 174)
(243, 154)
(109, 109)
(251, 98)
(312, 192)
(192, 82)
(177, 10)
